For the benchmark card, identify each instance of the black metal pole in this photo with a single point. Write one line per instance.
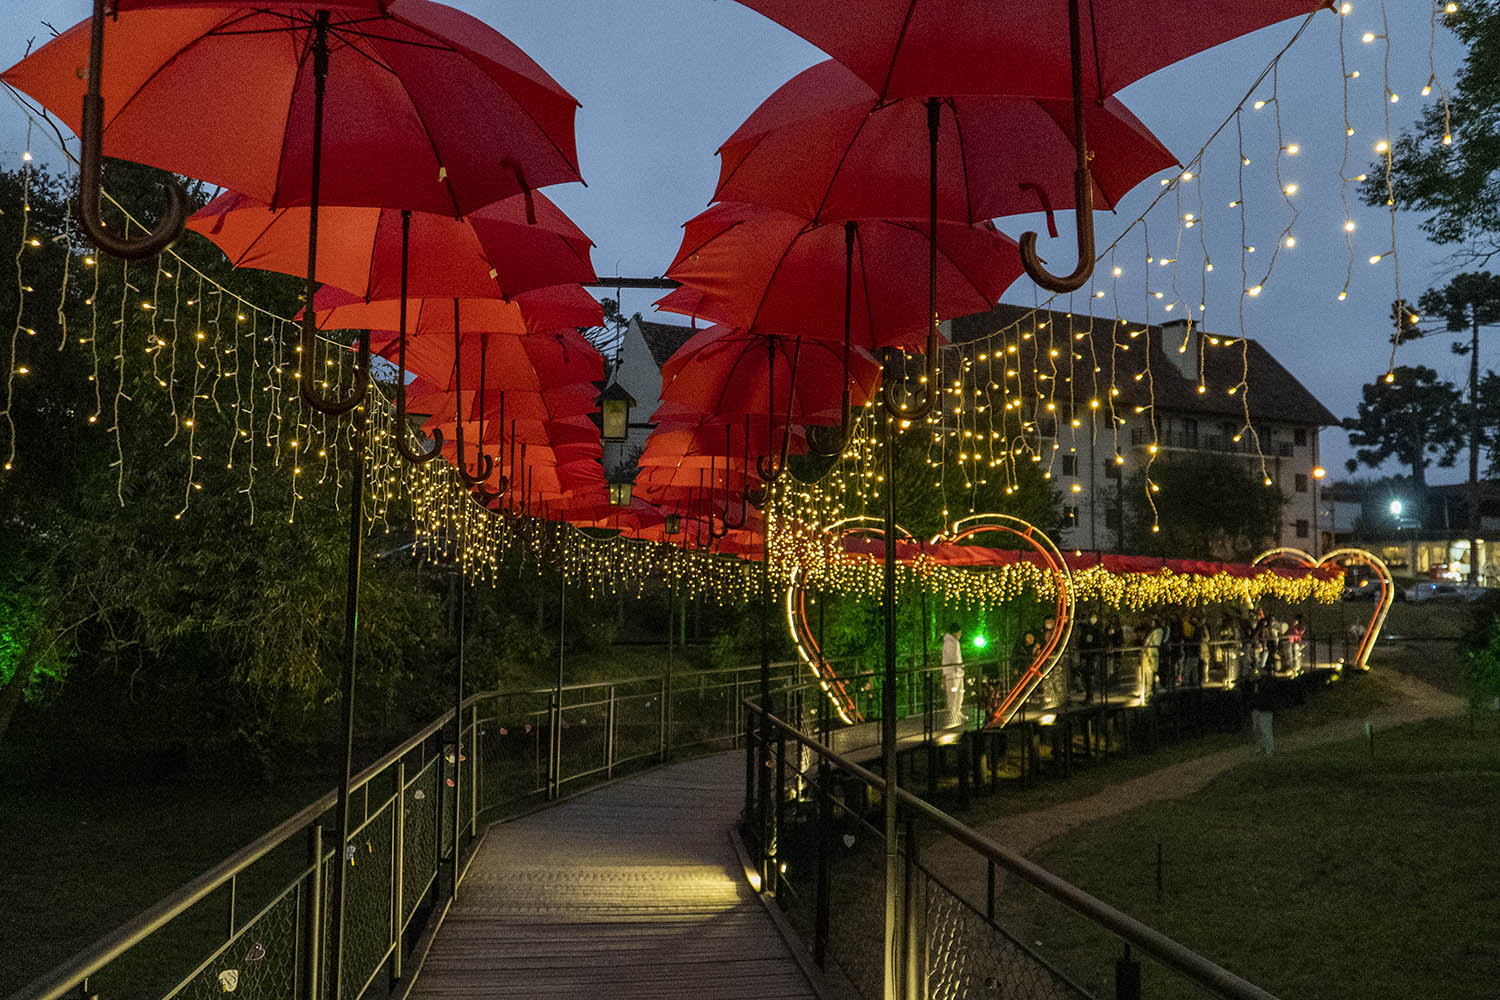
(351, 631)
(458, 712)
(893, 872)
(763, 783)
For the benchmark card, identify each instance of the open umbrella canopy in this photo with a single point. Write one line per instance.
(697, 444)
(729, 372)
(491, 252)
(554, 404)
(770, 271)
(427, 108)
(510, 361)
(558, 307)
(936, 48)
(858, 157)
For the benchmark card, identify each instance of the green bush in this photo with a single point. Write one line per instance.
(1480, 647)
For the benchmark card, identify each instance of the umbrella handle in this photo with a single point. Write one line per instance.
(91, 155)
(1083, 182)
(757, 496)
(404, 446)
(1083, 199)
(502, 487)
(826, 443)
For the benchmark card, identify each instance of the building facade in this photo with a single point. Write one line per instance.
(1094, 400)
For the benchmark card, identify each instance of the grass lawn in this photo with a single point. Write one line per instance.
(81, 860)
(1320, 873)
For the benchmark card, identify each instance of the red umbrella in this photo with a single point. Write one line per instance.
(491, 252)
(559, 307)
(944, 48)
(538, 361)
(858, 157)
(417, 106)
(730, 372)
(692, 445)
(770, 271)
(926, 48)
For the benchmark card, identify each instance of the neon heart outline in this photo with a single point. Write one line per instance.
(1361, 556)
(1050, 652)
(808, 649)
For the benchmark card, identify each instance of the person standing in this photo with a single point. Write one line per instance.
(953, 675)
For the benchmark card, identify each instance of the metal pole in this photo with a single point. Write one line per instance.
(351, 632)
(562, 621)
(458, 728)
(763, 784)
(473, 769)
(313, 945)
(398, 872)
(893, 871)
(823, 903)
(666, 708)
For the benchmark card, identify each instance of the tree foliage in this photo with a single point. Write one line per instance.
(1413, 417)
(1448, 165)
(1207, 505)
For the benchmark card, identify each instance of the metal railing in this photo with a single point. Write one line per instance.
(258, 923)
(821, 850)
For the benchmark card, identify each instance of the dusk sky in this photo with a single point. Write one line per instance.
(664, 82)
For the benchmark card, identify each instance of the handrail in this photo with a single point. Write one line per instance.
(58, 981)
(1175, 956)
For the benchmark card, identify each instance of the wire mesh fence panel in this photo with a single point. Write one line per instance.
(420, 857)
(367, 901)
(637, 727)
(967, 956)
(259, 963)
(856, 940)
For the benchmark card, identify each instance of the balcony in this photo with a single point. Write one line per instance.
(1141, 437)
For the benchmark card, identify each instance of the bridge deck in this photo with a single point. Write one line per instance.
(631, 890)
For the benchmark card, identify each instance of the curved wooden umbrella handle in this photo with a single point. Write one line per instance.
(91, 156)
(1083, 200)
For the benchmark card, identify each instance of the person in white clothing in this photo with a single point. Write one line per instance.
(953, 675)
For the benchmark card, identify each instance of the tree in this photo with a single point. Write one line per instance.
(1207, 505)
(1411, 416)
(1468, 302)
(1448, 166)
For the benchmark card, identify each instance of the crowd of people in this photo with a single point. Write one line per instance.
(1188, 649)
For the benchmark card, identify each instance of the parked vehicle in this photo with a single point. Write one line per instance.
(1440, 590)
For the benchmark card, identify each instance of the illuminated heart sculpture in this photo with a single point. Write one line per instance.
(809, 651)
(1050, 650)
(1345, 557)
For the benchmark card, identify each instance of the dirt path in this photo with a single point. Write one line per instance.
(1024, 833)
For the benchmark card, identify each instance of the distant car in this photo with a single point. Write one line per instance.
(1364, 588)
(1437, 590)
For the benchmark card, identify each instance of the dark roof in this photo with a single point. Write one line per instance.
(1116, 347)
(663, 339)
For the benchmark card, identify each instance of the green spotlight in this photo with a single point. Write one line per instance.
(980, 641)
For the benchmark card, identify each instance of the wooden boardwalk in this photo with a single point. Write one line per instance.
(631, 890)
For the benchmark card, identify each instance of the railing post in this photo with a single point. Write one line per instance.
(913, 922)
(554, 749)
(398, 870)
(823, 905)
(609, 736)
(664, 717)
(749, 764)
(779, 816)
(989, 891)
(1127, 977)
(233, 892)
(964, 770)
(473, 770)
(312, 945)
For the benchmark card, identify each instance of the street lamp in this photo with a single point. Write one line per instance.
(673, 525)
(1396, 511)
(619, 494)
(614, 405)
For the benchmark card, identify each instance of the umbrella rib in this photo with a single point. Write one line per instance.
(963, 160)
(743, 160)
(843, 158)
(237, 16)
(786, 252)
(951, 262)
(896, 49)
(286, 130)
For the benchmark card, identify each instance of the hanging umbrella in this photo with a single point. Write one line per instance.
(925, 48)
(729, 373)
(414, 105)
(929, 49)
(492, 251)
(860, 157)
(516, 361)
(559, 307)
(770, 271)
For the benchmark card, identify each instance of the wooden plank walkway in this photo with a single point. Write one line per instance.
(631, 890)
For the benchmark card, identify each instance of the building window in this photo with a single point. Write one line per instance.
(1302, 529)
(1299, 437)
(1070, 465)
(1069, 516)
(1299, 482)
(1111, 469)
